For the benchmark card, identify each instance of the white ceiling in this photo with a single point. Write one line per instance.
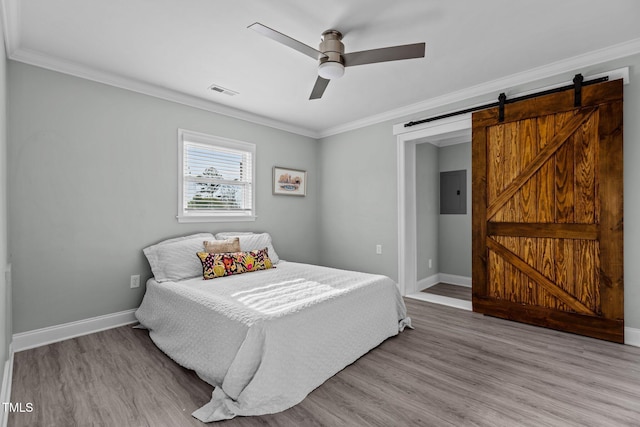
(177, 49)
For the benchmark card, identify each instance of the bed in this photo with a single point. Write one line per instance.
(266, 339)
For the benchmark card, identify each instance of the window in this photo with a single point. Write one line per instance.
(216, 178)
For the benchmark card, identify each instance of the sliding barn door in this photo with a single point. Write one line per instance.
(547, 212)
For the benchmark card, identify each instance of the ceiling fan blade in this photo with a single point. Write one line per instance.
(287, 41)
(318, 88)
(394, 53)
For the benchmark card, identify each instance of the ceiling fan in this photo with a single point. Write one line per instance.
(331, 56)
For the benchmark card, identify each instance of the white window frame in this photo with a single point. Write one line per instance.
(224, 143)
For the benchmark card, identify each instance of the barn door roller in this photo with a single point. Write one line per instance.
(502, 99)
(578, 83)
(577, 90)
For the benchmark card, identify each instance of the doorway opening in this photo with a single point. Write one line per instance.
(421, 227)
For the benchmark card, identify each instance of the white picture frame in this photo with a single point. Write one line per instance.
(289, 182)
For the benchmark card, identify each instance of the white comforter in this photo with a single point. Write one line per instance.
(266, 339)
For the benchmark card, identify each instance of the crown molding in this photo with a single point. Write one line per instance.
(569, 65)
(49, 62)
(10, 11)
(66, 67)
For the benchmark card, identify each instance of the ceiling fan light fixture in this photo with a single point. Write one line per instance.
(331, 70)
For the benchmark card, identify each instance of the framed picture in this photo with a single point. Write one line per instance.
(290, 182)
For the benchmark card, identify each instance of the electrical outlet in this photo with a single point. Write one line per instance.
(430, 264)
(378, 249)
(135, 281)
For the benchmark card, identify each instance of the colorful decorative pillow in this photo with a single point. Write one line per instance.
(220, 246)
(225, 264)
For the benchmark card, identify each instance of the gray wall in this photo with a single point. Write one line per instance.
(427, 209)
(5, 295)
(454, 237)
(92, 176)
(358, 205)
(632, 198)
(446, 239)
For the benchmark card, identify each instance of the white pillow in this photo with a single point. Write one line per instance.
(254, 242)
(226, 234)
(176, 259)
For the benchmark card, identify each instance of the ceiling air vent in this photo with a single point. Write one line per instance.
(220, 89)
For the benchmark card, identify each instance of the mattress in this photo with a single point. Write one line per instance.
(268, 338)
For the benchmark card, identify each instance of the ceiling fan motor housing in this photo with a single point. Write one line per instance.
(332, 65)
(332, 46)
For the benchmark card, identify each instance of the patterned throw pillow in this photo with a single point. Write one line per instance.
(225, 264)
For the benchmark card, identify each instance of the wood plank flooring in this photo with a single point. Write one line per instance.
(457, 368)
(451, 291)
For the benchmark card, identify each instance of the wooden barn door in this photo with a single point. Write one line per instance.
(547, 212)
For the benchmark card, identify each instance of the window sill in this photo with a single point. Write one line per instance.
(216, 218)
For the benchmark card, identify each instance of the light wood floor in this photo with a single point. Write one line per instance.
(457, 368)
(448, 290)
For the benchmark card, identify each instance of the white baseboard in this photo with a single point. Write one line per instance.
(455, 280)
(44, 336)
(428, 282)
(439, 299)
(5, 392)
(443, 278)
(632, 336)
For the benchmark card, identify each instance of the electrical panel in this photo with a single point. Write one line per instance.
(453, 192)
